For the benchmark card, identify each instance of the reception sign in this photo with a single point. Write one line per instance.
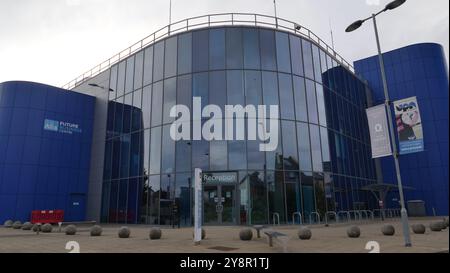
(379, 132)
(409, 126)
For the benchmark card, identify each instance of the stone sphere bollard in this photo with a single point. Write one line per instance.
(124, 232)
(96, 230)
(17, 225)
(353, 232)
(304, 233)
(8, 224)
(443, 225)
(418, 229)
(446, 221)
(155, 233)
(36, 228)
(71, 230)
(388, 230)
(436, 226)
(203, 234)
(27, 226)
(246, 234)
(47, 228)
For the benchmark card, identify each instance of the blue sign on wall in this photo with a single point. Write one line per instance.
(61, 126)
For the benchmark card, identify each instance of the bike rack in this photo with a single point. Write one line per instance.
(332, 213)
(369, 212)
(299, 216)
(346, 213)
(314, 213)
(277, 217)
(357, 214)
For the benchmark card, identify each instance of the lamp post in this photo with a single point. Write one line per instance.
(393, 5)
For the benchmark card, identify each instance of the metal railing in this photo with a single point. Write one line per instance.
(299, 214)
(211, 20)
(276, 216)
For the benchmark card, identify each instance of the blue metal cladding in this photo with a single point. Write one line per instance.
(418, 70)
(45, 145)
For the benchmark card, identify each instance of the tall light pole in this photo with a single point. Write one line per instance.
(352, 27)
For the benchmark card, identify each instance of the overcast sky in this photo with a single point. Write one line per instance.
(54, 41)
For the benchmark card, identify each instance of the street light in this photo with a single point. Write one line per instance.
(102, 87)
(393, 5)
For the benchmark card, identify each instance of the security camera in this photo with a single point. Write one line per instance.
(297, 27)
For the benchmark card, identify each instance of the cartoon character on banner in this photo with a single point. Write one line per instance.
(407, 117)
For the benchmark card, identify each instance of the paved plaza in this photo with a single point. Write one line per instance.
(226, 240)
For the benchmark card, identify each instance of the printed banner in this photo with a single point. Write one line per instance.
(409, 126)
(379, 131)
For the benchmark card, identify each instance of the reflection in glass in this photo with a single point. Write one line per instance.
(258, 194)
(157, 101)
(234, 48)
(217, 49)
(185, 53)
(148, 65)
(312, 103)
(283, 54)
(155, 148)
(251, 49)
(286, 97)
(267, 47)
(307, 59)
(138, 70)
(170, 99)
(158, 62)
(275, 185)
(200, 50)
(296, 55)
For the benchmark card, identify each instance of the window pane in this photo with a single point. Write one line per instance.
(267, 45)
(236, 155)
(270, 89)
(147, 105)
(168, 151)
(317, 68)
(235, 88)
(148, 66)
(251, 49)
(183, 198)
(136, 119)
(296, 55)
(200, 50)
(200, 154)
(309, 204)
(258, 193)
(316, 152)
(325, 150)
(158, 69)
(275, 185)
(200, 87)
(217, 48)
(286, 97)
(170, 55)
(124, 155)
(121, 78)
(307, 59)
(146, 152)
(128, 104)
(253, 92)
(184, 91)
(113, 82)
(185, 53)
(183, 156)
(304, 148)
(135, 154)
(321, 105)
(255, 158)
(218, 156)
(301, 110)
(290, 154)
(234, 48)
(217, 88)
(170, 97)
(138, 70)
(273, 161)
(155, 148)
(283, 55)
(157, 101)
(312, 104)
(129, 80)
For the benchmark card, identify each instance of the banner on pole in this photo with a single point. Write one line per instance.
(409, 126)
(379, 132)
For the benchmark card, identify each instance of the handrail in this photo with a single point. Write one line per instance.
(332, 213)
(347, 213)
(218, 19)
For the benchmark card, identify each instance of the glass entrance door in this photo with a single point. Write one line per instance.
(219, 205)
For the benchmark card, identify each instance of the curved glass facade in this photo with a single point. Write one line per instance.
(322, 161)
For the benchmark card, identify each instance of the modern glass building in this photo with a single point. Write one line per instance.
(323, 156)
(418, 70)
(139, 174)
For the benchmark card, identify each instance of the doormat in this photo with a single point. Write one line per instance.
(223, 248)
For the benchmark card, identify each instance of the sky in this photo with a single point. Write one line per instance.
(54, 41)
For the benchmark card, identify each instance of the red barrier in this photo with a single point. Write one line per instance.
(47, 216)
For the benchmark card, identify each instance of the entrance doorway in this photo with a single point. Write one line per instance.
(219, 203)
